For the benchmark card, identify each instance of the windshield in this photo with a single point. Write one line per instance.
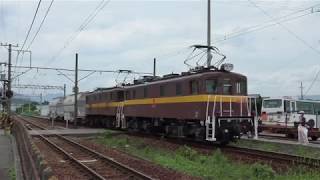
(272, 103)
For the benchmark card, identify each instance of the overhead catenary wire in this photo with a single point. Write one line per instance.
(102, 4)
(287, 29)
(298, 38)
(41, 24)
(28, 33)
(272, 22)
(312, 83)
(30, 27)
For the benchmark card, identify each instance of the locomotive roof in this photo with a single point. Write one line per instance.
(163, 80)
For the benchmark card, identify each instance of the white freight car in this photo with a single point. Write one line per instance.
(68, 107)
(56, 109)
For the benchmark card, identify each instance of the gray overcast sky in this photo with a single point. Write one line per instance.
(129, 34)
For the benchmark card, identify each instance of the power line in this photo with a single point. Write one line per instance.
(31, 25)
(44, 18)
(80, 70)
(297, 37)
(267, 24)
(312, 83)
(36, 86)
(34, 17)
(83, 25)
(287, 29)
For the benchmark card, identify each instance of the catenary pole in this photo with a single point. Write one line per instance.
(209, 35)
(76, 90)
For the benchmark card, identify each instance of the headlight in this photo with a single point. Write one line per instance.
(227, 67)
(226, 130)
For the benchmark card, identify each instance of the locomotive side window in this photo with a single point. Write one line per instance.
(133, 94)
(227, 86)
(111, 96)
(211, 86)
(162, 90)
(120, 95)
(127, 94)
(145, 92)
(194, 87)
(178, 89)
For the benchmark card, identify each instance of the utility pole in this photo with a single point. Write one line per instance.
(76, 90)
(64, 91)
(301, 91)
(154, 67)
(9, 80)
(209, 35)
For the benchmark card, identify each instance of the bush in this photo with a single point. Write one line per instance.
(188, 153)
(263, 171)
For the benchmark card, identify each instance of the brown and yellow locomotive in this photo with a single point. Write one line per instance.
(203, 104)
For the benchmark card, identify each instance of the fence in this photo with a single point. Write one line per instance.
(34, 166)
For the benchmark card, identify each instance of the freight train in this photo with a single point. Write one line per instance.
(62, 108)
(203, 104)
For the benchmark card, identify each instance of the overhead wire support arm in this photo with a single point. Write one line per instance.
(30, 55)
(64, 75)
(45, 87)
(80, 70)
(87, 76)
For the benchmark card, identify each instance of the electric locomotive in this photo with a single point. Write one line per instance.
(204, 103)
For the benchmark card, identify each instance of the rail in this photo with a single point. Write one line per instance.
(287, 158)
(117, 165)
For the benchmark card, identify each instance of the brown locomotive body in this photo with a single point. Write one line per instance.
(210, 104)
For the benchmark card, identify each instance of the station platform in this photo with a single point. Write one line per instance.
(82, 131)
(9, 158)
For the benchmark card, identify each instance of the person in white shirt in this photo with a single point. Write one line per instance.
(303, 132)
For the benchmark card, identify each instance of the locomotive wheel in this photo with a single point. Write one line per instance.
(225, 137)
(314, 138)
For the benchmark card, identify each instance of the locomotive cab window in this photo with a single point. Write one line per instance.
(241, 87)
(211, 86)
(227, 86)
(194, 87)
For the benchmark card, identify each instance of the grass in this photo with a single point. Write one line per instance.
(189, 161)
(12, 173)
(31, 113)
(292, 149)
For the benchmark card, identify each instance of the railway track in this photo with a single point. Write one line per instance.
(275, 137)
(276, 157)
(244, 153)
(273, 157)
(95, 164)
